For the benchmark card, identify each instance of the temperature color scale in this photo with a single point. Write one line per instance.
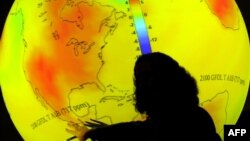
(140, 26)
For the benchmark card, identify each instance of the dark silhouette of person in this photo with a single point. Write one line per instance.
(168, 95)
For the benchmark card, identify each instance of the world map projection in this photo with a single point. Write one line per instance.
(64, 60)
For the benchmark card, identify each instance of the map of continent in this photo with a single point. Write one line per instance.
(74, 59)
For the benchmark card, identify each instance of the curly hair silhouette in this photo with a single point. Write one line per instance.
(161, 82)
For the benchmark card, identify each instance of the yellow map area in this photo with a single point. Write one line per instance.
(69, 59)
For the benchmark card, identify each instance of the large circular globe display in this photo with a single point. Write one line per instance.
(63, 60)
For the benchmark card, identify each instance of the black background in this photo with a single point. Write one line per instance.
(7, 128)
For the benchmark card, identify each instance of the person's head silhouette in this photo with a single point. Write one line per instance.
(162, 84)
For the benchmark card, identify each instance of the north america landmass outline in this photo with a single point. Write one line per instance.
(77, 44)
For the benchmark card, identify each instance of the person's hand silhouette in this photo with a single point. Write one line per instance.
(77, 129)
(95, 124)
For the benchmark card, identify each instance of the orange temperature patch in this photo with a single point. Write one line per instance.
(217, 108)
(226, 11)
(42, 74)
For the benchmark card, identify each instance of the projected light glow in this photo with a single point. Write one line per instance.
(140, 26)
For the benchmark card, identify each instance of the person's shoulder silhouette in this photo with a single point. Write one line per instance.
(168, 95)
